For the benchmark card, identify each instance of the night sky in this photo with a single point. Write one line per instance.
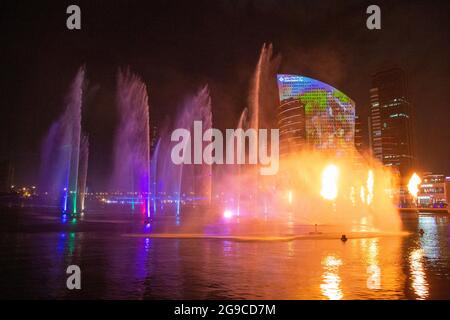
(178, 46)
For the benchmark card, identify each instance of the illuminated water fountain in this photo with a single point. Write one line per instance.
(61, 175)
(131, 173)
(313, 187)
(172, 181)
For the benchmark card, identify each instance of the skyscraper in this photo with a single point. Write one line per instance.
(314, 114)
(390, 121)
(359, 144)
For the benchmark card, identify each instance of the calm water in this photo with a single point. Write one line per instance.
(35, 250)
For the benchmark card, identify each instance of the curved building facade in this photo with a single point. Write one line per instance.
(314, 114)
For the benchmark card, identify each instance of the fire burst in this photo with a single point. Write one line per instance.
(330, 176)
(413, 185)
(290, 197)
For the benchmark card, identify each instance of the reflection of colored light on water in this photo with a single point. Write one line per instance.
(61, 242)
(330, 286)
(413, 184)
(147, 244)
(419, 281)
(71, 243)
(330, 176)
(227, 214)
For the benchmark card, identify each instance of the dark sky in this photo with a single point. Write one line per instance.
(177, 46)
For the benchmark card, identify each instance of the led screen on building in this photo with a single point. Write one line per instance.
(327, 115)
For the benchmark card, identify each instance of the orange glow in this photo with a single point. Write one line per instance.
(370, 181)
(330, 286)
(330, 176)
(290, 197)
(413, 184)
(419, 281)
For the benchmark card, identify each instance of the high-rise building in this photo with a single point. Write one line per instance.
(359, 144)
(314, 114)
(390, 121)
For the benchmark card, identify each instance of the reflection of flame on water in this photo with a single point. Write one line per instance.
(419, 281)
(413, 184)
(330, 176)
(374, 279)
(331, 280)
(373, 270)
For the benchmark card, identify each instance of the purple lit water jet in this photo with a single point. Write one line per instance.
(194, 180)
(61, 151)
(131, 173)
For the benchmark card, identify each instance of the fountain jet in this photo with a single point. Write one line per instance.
(61, 151)
(131, 173)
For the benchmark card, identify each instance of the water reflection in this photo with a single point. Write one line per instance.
(116, 266)
(66, 243)
(419, 280)
(331, 280)
(373, 269)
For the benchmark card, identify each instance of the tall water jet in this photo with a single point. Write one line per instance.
(154, 174)
(61, 151)
(263, 94)
(242, 123)
(132, 143)
(261, 112)
(191, 179)
(82, 172)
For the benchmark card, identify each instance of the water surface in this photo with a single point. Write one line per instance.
(35, 250)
